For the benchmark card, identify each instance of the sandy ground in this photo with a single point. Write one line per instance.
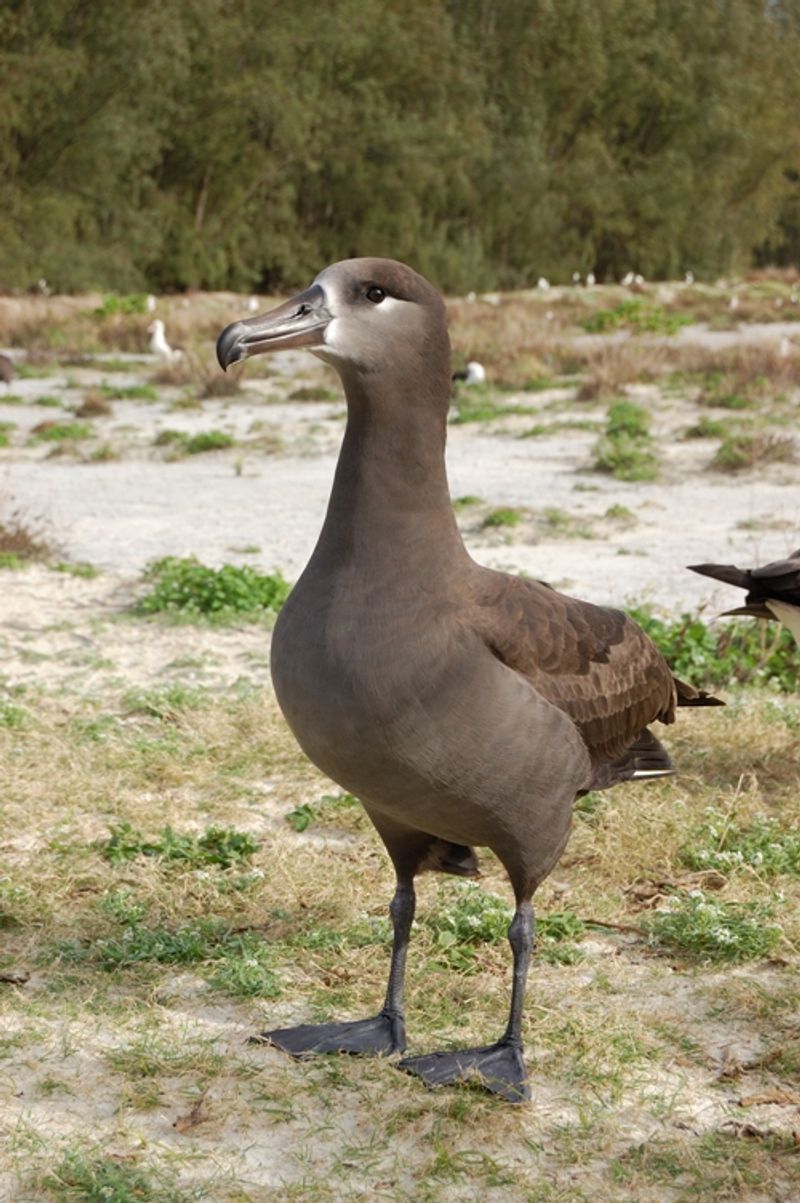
(262, 503)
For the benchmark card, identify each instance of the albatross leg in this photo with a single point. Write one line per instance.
(385, 1032)
(498, 1067)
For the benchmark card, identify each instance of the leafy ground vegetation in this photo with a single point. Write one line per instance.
(174, 876)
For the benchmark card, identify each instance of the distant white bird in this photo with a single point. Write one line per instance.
(779, 302)
(689, 278)
(252, 304)
(470, 298)
(159, 345)
(590, 280)
(628, 279)
(733, 303)
(43, 287)
(638, 279)
(543, 284)
(576, 277)
(150, 303)
(474, 373)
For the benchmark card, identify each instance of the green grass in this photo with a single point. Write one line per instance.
(220, 846)
(61, 432)
(79, 568)
(702, 927)
(82, 1177)
(503, 516)
(742, 450)
(625, 450)
(187, 587)
(130, 392)
(764, 846)
(6, 430)
(640, 316)
(195, 444)
(130, 304)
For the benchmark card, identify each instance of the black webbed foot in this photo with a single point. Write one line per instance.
(498, 1068)
(378, 1037)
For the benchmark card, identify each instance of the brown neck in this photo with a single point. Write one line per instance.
(390, 504)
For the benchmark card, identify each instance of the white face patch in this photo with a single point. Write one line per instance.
(350, 334)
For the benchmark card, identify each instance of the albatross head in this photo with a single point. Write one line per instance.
(362, 315)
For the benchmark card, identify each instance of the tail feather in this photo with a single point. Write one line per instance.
(689, 696)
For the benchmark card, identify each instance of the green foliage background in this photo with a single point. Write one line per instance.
(159, 144)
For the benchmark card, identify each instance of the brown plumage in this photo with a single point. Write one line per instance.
(463, 706)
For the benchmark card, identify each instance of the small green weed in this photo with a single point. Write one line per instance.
(48, 402)
(131, 304)
(60, 432)
(209, 440)
(6, 429)
(221, 846)
(131, 392)
(707, 428)
(80, 569)
(475, 917)
(702, 927)
(744, 652)
(503, 516)
(625, 450)
(305, 815)
(464, 503)
(737, 452)
(643, 317)
(187, 587)
(166, 703)
(96, 1178)
(763, 845)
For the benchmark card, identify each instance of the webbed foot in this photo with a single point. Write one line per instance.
(498, 1068)
(379, 1037)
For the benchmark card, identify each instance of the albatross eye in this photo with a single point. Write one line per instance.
(375, 294)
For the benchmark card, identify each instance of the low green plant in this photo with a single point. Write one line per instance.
(742, 450)
(503, 516)
(764, 845)
(220, 846)
(187, 587)
(704, 928)
(6, 429)
(625, 449)
(81, 1177)
(707, 428)
(130, 304)
(474, 917)
(208, 440)
(59, 432)
(746, 652)
(640, 316)
(79, 568)
(130, 392)
(48, 402)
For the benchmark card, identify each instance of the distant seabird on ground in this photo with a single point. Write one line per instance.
(159, 345)
(773, 590)
(474, 373)
(463, 706)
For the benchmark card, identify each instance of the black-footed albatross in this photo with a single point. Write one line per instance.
(773, 590)
(463, 706)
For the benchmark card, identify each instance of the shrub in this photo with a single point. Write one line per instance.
(185, 586)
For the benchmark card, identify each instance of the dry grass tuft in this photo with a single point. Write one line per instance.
(742, 451)
(95, 404)
(22, 538)
(610, 368)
